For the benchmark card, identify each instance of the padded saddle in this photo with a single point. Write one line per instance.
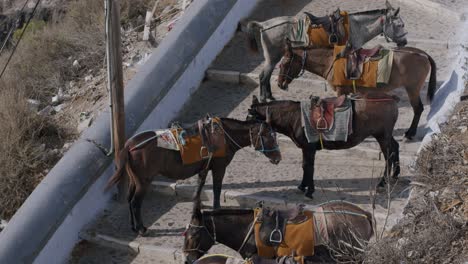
(273, 223)
(281, 260)
(322, 112)
(355, 61)
(329, 23)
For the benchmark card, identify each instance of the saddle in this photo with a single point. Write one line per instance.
(212, 135)
(331, 24)
(273, 223)
(322, 112)
(281, 260)
(355, 61)
(280, 233)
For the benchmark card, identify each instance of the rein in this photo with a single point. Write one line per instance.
(304, 60)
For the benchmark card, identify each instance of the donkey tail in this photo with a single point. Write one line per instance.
(432, 79)
(121, 164)
(252, 29)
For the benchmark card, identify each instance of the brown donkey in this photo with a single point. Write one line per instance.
(410, 69)
(335, 222)
(141, 159)
(373, 116)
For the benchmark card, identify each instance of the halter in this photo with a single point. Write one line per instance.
(384, 26)
(259, 137)
(213, 237)
(304, 60)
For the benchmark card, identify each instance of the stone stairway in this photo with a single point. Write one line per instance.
(339, 175)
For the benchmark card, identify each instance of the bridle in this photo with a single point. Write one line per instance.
(304, 60)
(213, 237)
(259, 137)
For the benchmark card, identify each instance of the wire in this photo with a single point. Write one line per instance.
(13, 28)
(21, 36)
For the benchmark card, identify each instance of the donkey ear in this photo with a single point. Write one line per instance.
(254, 100)
(389, 6)
(396, 12)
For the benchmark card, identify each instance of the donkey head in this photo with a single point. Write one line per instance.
(263, 139)
(198, 239)
(393, 26)
(291, 66)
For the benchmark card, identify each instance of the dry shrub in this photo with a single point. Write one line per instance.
(428, 237)
(22, 147)
(41, 63)
(41, 66)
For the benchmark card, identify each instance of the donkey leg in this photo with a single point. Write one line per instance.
(418, 108)
(261, 77)
(136, 203)
(201, 183)
(396, 158)
(385, 143)
(265, 85)
(131, 193)
(218, 175)
(308, 160)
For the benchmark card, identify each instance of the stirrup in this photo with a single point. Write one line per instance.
(333, 38)
(207, 152)
(319, 122)
(276, 231)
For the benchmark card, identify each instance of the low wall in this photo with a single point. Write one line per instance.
(45, 229)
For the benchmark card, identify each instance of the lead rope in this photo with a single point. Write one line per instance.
(248, 234)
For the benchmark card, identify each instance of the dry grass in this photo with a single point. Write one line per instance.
(42, 65)
(435, 226)
(24, 136)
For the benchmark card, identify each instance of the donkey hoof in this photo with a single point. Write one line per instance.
(409, 135)
(271, 98)
(309, 194)
(381, 184)
(142, 231)
(301, 188)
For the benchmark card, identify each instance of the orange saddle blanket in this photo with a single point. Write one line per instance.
(298, 238)
(191, 147)
(318, 36)
(367, 79)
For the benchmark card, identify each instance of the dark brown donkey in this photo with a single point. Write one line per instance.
(342, 222)
(141, 159)
(410, 69)
(373, 116)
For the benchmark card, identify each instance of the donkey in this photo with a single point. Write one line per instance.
(363, 27)
(343, 222)
(141, 159)
(409, 70)
(374, 115)
(225, 259)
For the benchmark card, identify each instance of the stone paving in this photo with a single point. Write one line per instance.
(346, 174)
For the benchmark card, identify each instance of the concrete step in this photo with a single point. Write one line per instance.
(110, 239)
